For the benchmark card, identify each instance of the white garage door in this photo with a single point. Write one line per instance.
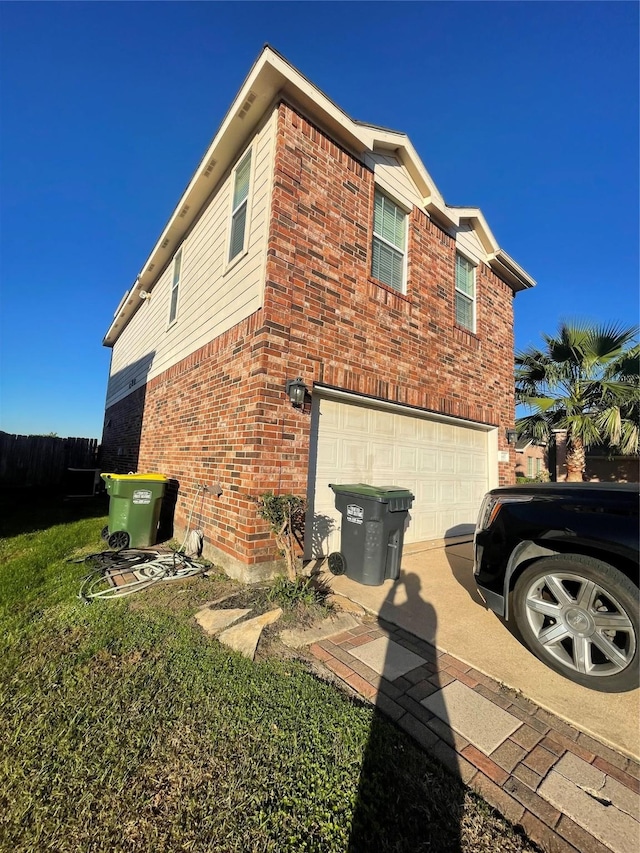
(444, 464)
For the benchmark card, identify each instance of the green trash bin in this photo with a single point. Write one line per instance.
(135, 501)
(372, 536)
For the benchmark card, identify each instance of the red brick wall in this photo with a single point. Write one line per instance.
(535, 452)
(349, 331)
(221, 415)
(121, 434)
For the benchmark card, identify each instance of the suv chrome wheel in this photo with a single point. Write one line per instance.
(578, 615)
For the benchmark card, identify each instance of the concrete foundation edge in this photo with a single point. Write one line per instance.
(236, 569)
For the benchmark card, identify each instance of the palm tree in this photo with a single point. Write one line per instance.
(585, 380)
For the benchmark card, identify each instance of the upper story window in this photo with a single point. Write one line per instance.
(175, 286)
(465, 293)
(241, 179)
(389, 241)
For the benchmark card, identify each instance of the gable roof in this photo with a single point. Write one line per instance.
(272, 78)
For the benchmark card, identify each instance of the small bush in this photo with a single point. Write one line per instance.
(285, 516)
(542, 477)
(289, 594)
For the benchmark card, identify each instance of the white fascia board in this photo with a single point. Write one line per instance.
(501, 263)
(506, 268)
(480, 226)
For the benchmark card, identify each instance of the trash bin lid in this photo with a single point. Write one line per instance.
(156, 478)
(376, 493)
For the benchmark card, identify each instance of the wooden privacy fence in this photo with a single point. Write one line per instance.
(42, 460)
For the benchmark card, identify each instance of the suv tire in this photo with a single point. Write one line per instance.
(579, 616)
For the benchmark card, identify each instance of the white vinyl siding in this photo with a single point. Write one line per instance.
(394, 179)
(175, 286)
(465, 293)
(389, 240)
(241, 181)
(214, 295)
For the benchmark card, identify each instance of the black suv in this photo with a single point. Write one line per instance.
(561, 561)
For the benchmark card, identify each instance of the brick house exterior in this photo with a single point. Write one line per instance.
(532, 459)
(219, 413)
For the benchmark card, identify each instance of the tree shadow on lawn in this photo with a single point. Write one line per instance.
(28, 510)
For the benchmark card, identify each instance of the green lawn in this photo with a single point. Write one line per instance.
(124, 728)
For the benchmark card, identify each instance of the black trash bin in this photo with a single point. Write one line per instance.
(373, 523)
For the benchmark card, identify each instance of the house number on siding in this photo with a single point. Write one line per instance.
(133, 382)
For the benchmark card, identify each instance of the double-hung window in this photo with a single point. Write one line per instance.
(389, 241)
(175, 286)
(241, 179)
(465, 293)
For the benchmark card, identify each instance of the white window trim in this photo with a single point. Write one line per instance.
(473, 300)
(404, 252)
(229, 263)
(176, 286)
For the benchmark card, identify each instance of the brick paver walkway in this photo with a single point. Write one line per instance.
(570, 793)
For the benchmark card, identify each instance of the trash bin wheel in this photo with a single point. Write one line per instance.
(337, 563)
(104, 533)
(118, 540)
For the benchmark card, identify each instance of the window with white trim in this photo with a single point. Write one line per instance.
(530, 470)
(241, 179)
(465, 293)
(175, 286)
(389, 241)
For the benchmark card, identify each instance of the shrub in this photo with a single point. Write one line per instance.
(285, 516)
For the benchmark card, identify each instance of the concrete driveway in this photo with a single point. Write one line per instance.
(436, 600)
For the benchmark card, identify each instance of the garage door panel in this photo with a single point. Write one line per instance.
(478, 440)
(445, 465)
(424, 526)
(406, 459)
(427, 460)
(328, 454)
(330, 413)
(464, 463)
(480, 466)
(406, 428)
(446, 462)
(463, 492)
(382, 423)
(427, 492)
(446, 492)
(356, 418)
(446, 434)
(446, 521)
(479, 488)
(427, 431)
(353, 454)
(384, 456)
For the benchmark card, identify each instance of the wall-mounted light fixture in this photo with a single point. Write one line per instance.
(512, 436)
(296, 391)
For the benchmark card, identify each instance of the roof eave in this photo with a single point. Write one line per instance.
(270, 79)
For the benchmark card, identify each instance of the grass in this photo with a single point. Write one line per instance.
(124, 728)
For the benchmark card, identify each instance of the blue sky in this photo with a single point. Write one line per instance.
(526, 110)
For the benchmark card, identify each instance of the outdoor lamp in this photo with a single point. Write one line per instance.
(512, 436)
(296, 390)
